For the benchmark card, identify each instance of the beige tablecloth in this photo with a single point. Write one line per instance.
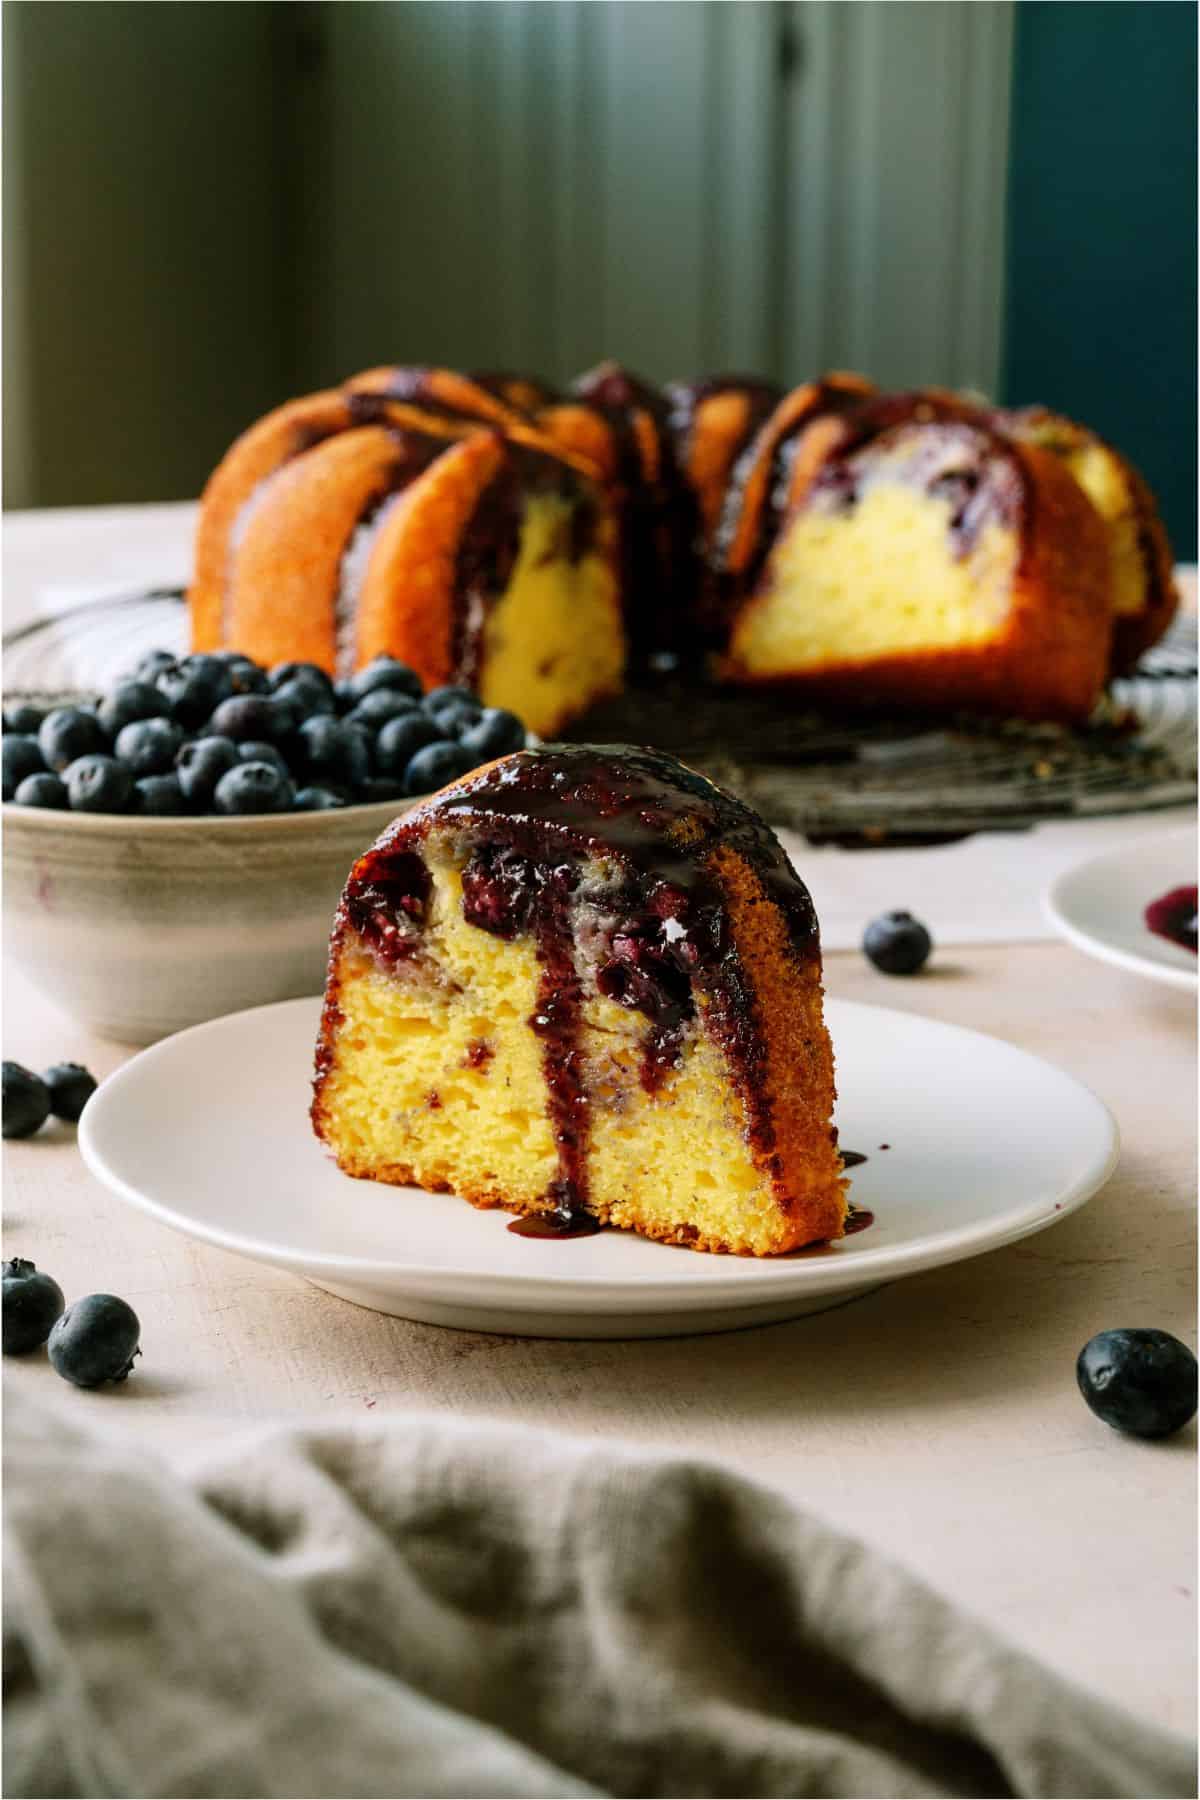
(432, 1608)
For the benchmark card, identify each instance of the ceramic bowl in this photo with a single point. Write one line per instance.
(138, 927)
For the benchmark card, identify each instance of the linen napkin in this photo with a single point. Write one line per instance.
(432, 1607)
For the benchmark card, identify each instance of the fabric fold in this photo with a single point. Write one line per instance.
(440, 1608)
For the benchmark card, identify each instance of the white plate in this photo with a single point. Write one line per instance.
(208, 1132)
(1099, 906)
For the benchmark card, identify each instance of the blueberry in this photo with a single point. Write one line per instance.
(308, 672)
(456, 717)
(316, 799)
(200, 765)
(245, 716)
(439, 696)
(253, 787)
(384, 672)
(246, 676)
(149, 746)
(897, 943)
(380, 705)
(497, 733)
(21, 757)
(332, 753)
(400, 739)
(305, 697)
(70, 1087)
(26, 1101)
(152, 664)
(67, 733)
(130, 701)
(44, 790)
(382, 787)
(32, 1302)
(194, 688)
(158, 797)
(98, 784)
(95, 1340)
(23, 718)
(435, 765)
(251, 751)
(1141, 1382)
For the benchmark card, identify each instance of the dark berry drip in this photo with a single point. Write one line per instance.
(852, 1158)
(659, 519)
(520, 391)
(857, 1219)
(490, 544)
(388, 910)
(950, 454)
(479, 1054)
(556, 1225)
(685, 398)
(1173, 916)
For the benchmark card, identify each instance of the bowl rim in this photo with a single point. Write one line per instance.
(49, 819)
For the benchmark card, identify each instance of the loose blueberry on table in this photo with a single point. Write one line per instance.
(29, 1099)
(897, 943)
(32, 1301)
(95, 1340)
(176, 736)
(1139, 1381)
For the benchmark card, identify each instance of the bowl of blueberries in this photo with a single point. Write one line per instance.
(174, 849)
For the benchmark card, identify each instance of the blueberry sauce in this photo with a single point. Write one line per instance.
(1173, 916)
(557, 1224)
(852, 1158)
(857, 1219)
(607, 858)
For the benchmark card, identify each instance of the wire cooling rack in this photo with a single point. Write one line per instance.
(882, 780)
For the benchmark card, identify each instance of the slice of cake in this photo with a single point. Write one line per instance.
(932, 566)
(585, 983)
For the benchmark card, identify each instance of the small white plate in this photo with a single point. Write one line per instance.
(1099, 906)
(208, 1132)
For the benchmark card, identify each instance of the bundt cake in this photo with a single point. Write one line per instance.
(916, 551)
(585, 984)
(934, 564)
(502, 545)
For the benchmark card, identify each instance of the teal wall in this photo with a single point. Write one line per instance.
(1101, 303)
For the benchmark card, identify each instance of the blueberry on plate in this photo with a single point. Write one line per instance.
(128, 702)
(68, 733)
(495, 733)
(31, 1301)
(253, 787)
(1138, 1381)
(897, 943)
(23, 718)
(95, 1340)
(158, 797)
(381, 704)
(435, 765)
(199, 766)
(245, 716)
(384, 672)
(99, 784)
(149, 746)
(194, 688)
(305, 697)
(43, 790)
(251, 751)
(400, 739)
(316, 799)
(332, 753)
(70, 1087)
(21, 757)
(439, 696)
(26, 1101)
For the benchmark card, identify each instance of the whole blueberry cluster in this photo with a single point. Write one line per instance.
(219, 734)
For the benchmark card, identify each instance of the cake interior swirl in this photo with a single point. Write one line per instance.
(584, 984)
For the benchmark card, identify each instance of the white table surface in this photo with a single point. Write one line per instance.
(938, 1418)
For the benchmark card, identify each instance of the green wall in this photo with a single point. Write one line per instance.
(1101, 304)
